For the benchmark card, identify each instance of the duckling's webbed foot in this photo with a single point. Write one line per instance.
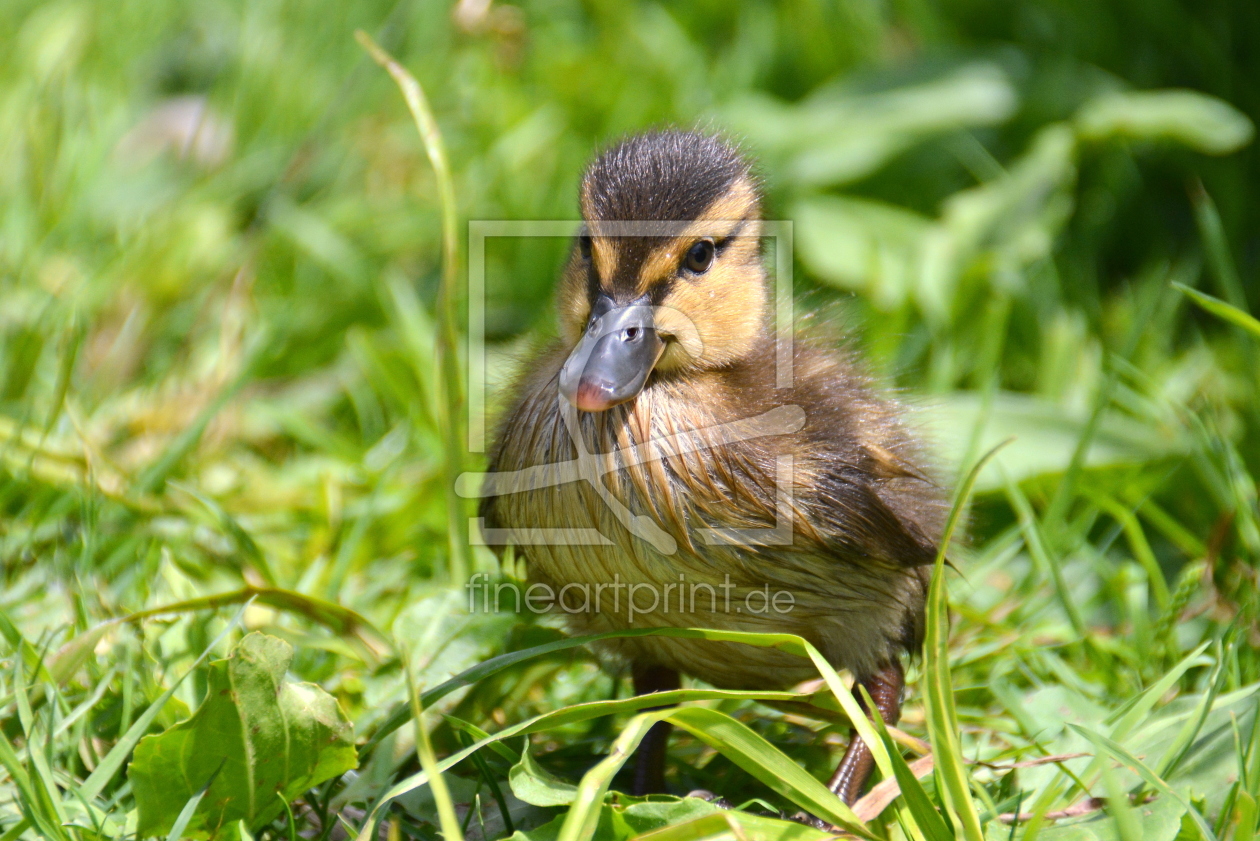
(885, 688)
(649, 759)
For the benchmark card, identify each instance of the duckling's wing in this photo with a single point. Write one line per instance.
(858, 522)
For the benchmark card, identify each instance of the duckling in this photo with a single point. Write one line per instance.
(655, 455)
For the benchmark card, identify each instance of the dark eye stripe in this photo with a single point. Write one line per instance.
(658, 292)
(592, 281)
(725, 241)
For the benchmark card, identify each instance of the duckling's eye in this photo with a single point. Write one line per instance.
(699, 257)
(584, 246)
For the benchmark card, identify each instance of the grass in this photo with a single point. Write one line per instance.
(226, 400)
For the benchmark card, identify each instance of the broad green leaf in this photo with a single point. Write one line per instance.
(734, 740)
(536, 785)
(270, 736)
(583, 817)
(1002, 225)
(1120, 754)
(113, 761)
(666, 818)
(190, 808)
(1046, 435)
(1202, 122)
(621, 818)
(839, 134)
(735, 825)
(1159, 820)
(648, 814)
(861, 245)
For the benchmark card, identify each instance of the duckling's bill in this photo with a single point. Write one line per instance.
(614, 357)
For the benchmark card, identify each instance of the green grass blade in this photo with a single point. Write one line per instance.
(26, 719)
(113, 761)
(36, 807)
(476, 733)
(1136, 710)
(1249, 762)
(1181, 745)
(1138, 543)
(1121, 755)
(494, 665)
(152, 478)
(88, 704)
(448, 299)
(71, 344)
(488, 777)
(731, 738)
(15, 832)
(289, 823)
(1222, 310)
(750, 751)
(862, 724)
(244, 540)
(928, 819)
(42, 781)
(190, 808)
(1045, 558)
(1119, 808)
(565, 715)
(1216, 245)
(428, 761)
(1247, 812)
(583, 815)
(942, 716)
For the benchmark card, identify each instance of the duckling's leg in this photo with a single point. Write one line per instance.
(885, 687)
(649, 760)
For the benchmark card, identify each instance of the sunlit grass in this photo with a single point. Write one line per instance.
(226, 400)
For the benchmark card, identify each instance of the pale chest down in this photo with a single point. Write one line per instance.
(670, 513)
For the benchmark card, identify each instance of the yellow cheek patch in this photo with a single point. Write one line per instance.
(681, 329)
(603, 249)
(604, 255)
(717, 318)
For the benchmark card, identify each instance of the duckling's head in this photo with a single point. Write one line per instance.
(665, 277)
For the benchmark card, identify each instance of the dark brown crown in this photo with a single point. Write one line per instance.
(662, 176)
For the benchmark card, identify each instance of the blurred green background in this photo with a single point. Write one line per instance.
(219, 256)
